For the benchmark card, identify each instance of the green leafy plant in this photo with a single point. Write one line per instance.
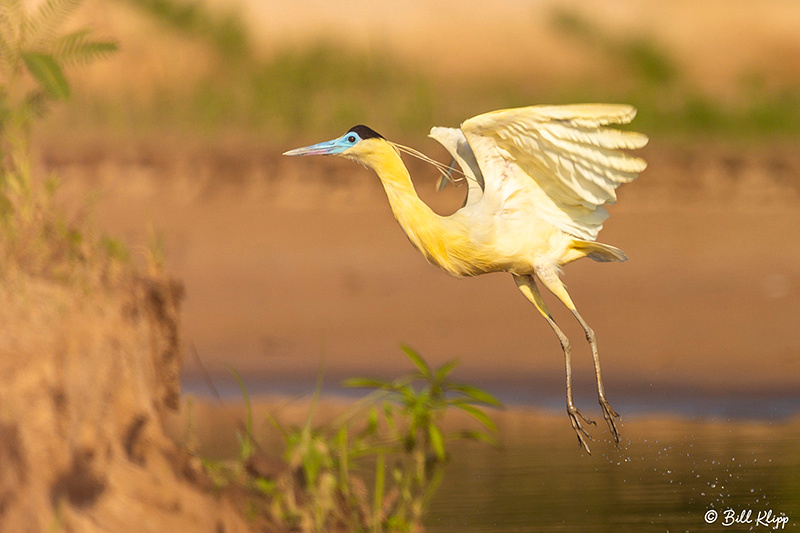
(374, 468)
(34, 53)
(413, 408)
(223, 473)
(33, 56)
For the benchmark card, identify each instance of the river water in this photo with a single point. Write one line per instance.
(667, 476)
(687, 462)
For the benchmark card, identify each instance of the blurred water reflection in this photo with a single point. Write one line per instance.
(665, 479)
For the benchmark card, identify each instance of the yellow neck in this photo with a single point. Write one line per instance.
(414, 216)
(442, 241)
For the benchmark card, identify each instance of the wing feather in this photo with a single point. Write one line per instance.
(567, 153)
(603, 138)
(454, 142)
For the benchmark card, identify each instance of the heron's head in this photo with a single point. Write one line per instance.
(358, 144)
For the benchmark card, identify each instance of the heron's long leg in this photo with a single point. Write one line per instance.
(608, 412)
(550, 279)
(527, 286)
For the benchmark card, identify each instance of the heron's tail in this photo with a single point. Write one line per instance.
(597, 251)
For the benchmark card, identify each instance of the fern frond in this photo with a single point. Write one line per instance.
(41, 27)
(48, 74)
(12, 17)
(77, 48)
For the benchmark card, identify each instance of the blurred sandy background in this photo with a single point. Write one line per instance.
(289, 261)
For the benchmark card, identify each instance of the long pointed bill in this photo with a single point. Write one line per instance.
(323, 148)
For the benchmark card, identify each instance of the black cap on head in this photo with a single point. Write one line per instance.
(365, 132)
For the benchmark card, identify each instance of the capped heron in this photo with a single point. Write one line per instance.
(538, 179)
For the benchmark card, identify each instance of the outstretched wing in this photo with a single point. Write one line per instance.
(574, 162)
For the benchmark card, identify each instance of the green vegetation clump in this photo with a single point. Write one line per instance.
(295, 91)
(375, 468)
(314, 90)
(33, 56)
(373, 476)
(225, 32)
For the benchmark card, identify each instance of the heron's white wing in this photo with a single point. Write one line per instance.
(454, 141)
(575, 162)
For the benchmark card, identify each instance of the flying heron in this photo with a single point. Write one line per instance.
(538, 179)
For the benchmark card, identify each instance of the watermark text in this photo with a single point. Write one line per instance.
(761, 518)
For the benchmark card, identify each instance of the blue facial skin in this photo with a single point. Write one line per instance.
(336, 146)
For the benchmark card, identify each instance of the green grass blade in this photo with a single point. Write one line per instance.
(443, 371)
(436, 439)
(366, 383)
(477, 414)
(477, 435)
(418, 361)
(246, 441)
(476, 394)
(388, 415)
(380, 487)
(344, 461)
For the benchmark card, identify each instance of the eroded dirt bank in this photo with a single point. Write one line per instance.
(88, 371)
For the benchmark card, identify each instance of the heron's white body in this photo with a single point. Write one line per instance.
(539, 178)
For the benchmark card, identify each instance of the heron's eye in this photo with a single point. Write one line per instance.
(351, 139)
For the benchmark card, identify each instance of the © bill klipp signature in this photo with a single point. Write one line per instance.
(730, 517)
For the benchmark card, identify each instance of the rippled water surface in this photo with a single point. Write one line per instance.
(698, 464)
(669, 476)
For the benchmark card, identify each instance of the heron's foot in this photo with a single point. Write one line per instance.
(575, 418)
(610, 414)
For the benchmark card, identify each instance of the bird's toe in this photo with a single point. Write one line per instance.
(584, 437)
(610, 414)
